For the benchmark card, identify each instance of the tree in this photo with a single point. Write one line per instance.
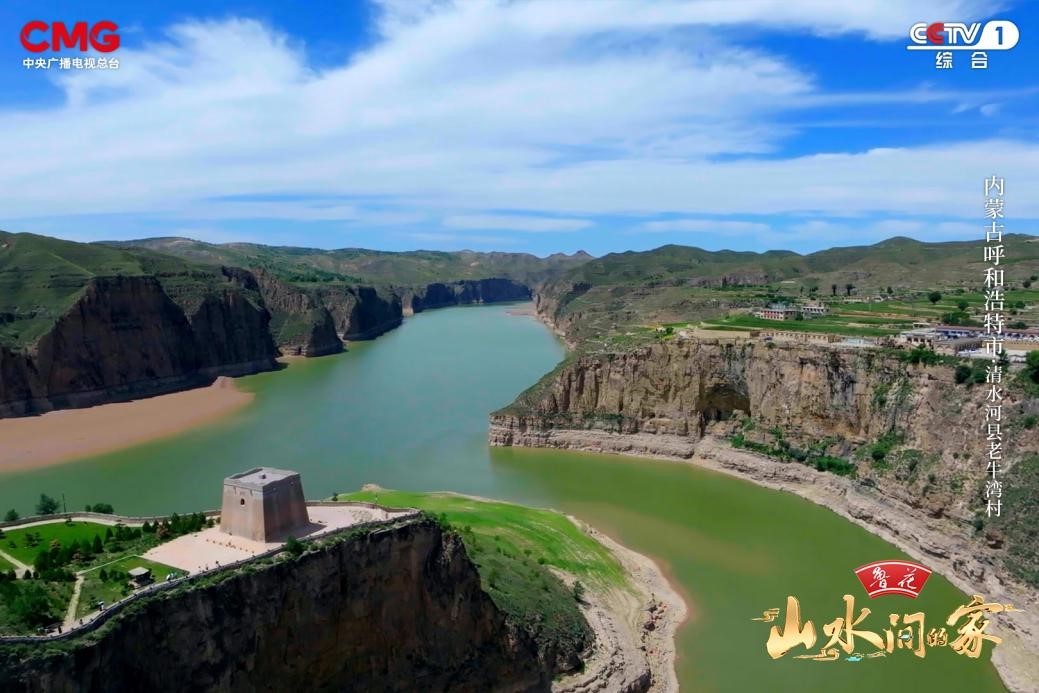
(32, 607)
(1026, 283)
(103, 575)
(962, 305)
(963, 373)
(1032, 365)
(848, 289)
(934, 297)
(103, 508)
(293, 546)
(11, 515)
(97, 546)
(47, 505)
(890, 291)
(833, 289)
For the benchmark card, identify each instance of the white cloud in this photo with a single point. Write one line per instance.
(711, 226)
(556, 110)
(513, 222)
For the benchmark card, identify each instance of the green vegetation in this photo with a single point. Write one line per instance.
(513, 546)
(28, 605)
(110, 582)
(831, 324)
(294, 547)
(41, 278)
(25, 543)
(47, 505)
(356, 265)
(784, 452)
(58, 550)
(1017, 523)
(920, 354)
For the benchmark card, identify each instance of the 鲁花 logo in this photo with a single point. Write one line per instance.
(893, 577)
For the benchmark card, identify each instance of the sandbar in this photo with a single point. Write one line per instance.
(61, 436)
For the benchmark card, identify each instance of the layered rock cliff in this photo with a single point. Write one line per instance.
(300, 323)
(128, 336)
(396, 609)
(438, 294)
(900, 449)
(844, 403)
(361, 312)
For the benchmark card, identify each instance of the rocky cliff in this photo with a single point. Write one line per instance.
(128, 336)
(361, 312)
(440, 294)
(396, 609)
(300, 323)
(895, 447)
(843, 403)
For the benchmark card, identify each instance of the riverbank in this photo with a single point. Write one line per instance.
(62, 436)
(625, 598)
(946, 548)
(634, 631)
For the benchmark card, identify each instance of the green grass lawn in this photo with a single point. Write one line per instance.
(19, 543)
(544, 536)
(831, 325)
(109, 591)
(5, 565)
(513, 547)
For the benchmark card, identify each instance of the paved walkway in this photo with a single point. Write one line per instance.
(79, 518)
(19, 567)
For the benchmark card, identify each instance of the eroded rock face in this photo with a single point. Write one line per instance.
(665, 397)
(300, 324)
(126, 336)
(399, 609)
(464, 292)
(362, 312)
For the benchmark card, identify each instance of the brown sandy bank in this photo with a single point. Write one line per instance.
(68, 434)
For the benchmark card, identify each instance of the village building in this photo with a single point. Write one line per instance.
(264, 504)
(140, 576)
(814, 309)
(778, 311)
(801, 337)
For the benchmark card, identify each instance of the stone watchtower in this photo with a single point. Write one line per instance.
(263, 504)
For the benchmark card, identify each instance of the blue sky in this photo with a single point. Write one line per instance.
(523, 126)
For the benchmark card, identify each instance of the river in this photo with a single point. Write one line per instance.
(409, 411)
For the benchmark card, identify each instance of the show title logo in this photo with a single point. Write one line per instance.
(963, 631)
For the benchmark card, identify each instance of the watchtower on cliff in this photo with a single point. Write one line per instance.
(263, 504)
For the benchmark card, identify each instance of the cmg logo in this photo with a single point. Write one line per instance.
(38, 36)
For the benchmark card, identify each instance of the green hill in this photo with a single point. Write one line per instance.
(360, 266)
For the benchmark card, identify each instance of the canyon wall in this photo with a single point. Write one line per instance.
(301, 324)
(361, 312)
(663, 398)
(440, 294)
(397, 609)
(134, 336)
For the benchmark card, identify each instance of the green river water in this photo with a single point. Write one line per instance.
(409, 411)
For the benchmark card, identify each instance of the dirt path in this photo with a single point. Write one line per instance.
(70, 614)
